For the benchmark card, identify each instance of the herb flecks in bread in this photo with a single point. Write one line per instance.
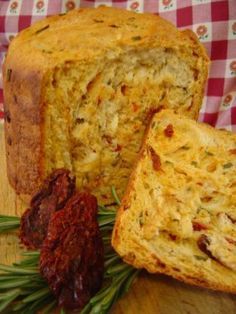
(79, 88)
(180, 218)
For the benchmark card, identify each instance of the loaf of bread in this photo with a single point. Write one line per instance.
(79, 89)
(178, 216)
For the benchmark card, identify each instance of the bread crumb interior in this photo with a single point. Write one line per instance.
(96, 113)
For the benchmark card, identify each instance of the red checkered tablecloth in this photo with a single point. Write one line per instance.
(214, 22)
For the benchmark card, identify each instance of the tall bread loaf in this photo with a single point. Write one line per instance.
(178, 216)
(79, 87)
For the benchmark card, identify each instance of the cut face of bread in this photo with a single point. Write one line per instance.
(178, 216)
(100, 134)
(87, 93)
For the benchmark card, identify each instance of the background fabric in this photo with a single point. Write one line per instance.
(214, 22)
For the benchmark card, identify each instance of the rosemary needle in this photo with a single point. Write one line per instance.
(8, 223)
(116, 198)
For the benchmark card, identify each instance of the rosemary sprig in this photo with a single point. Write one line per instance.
(24, 291)
(9, 223)
(22, 288)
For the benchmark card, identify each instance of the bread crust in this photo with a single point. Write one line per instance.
(38, 50)
(23, 127)
(131, 247)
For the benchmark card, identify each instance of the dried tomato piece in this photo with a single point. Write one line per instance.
(232, 151)
(151, 111)
(233, 220)
(203, 244)
(156, 161)
(72, 255)
(172, 236)
(231, 241)
(169, 131)
(118, 148)
(199, 226)
(55, 192)
(226, 255)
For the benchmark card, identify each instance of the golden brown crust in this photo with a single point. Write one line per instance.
(200, 51)
(199, 282)
(39, 49)
(23, 123)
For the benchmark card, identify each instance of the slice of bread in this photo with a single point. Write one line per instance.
(178, 216)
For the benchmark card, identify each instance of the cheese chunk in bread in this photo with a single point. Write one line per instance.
(178, 216)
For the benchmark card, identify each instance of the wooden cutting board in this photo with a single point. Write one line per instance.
(150, 294)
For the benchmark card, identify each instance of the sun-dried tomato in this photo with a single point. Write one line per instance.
(169, 131)
(206, 199)
(203, 243)
(232, 151)
(156, 161)
(231, 241)
(135, 107)
(172, 236)
(199, 226)
(53, 195)
(118, 148)
(72, 255)
(233, 220)
(151, 111)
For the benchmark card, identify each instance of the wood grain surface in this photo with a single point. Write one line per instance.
(150, 294)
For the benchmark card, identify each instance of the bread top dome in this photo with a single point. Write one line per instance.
(85, 34)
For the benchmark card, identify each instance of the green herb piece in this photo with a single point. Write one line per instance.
(9, 72)
(136, 38)
(228, 165)
(9, 297)
(194, 163)
(169, 162)
(103, 221)
(200, 208)
(61, 14)
(18, 270)
(102, 302)
(34, 296)
(141, 219)
(8, 223)
(48, 309)
(13, 283)
(110, 261)
(115, 269)
(46, 51)
(185, 147)
(201, 258)
(42, 29)
(31, 253)
(98, 21)
(114, 26)
(9, 217)
(209, 153)
(116, 198)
